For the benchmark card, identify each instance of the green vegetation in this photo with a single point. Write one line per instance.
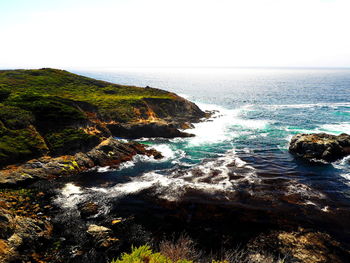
(44, 111)
(19, 140)
(144, 254)
(47, 109)
(69, 140)
(14, 117)
(20, 145)
(114, 101)
(184, 250)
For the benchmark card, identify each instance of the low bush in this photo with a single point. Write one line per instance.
(69, 141)
(183, 250)
(144, 254)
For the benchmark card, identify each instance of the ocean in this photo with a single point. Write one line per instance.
(239, 159)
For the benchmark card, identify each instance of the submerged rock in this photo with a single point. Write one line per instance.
(320, 146)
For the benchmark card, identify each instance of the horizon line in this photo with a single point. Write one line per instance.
(179, 67)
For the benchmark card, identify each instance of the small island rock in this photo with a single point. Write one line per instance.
(320, 146)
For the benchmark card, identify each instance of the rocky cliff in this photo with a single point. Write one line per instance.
(54, 112)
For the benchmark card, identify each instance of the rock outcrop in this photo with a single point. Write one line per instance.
(320, 146)
(110, 152)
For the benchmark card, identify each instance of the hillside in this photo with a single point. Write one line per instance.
(55, 112)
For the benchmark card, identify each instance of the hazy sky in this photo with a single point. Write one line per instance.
(166, 33)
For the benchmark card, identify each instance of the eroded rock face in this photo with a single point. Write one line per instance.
(320, 146)
(178, 110)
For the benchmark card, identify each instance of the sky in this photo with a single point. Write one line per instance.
(174, 33)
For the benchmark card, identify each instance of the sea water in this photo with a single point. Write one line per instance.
(258, 111)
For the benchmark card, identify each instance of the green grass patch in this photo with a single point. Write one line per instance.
(47, 109)
(49, 93)
(14, 117)
(20, 145)
(69, 141)
(144, 254)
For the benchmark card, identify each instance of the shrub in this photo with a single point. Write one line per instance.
(69, 141)
(20, 145)
(176, 252)
(182, 248)
(47, 108)
(4, 93)
(14, 117)
(140, 255)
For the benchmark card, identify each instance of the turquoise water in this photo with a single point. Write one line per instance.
(239, 159)
(261, 108)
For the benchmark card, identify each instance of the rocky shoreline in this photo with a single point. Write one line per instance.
(110, 152)
(56, 131)
(49, 139)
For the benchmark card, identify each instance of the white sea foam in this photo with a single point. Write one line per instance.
(210, 176)
(344, 164)
(70, 196)
(219, 127)
(326, 209)
(303, 191)
(168, 152)
(308, 105)
(104, 169)
(286, 145)
(336, 128)
(214, 130)
(126, 165)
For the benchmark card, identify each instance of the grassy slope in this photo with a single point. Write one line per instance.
(41, 110)
(114, 101)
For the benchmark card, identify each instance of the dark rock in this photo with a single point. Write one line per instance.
(320, 146)
(110, 152)
(21, 233)
(101, 235)
(186, 125)
(88, 209)
(303, 245)
(177, 110)
(148, 130)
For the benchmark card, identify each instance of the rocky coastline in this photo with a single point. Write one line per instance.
(65, 125)
(109, 152)
(46, 136)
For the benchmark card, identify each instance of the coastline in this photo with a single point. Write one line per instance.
(218, 197)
